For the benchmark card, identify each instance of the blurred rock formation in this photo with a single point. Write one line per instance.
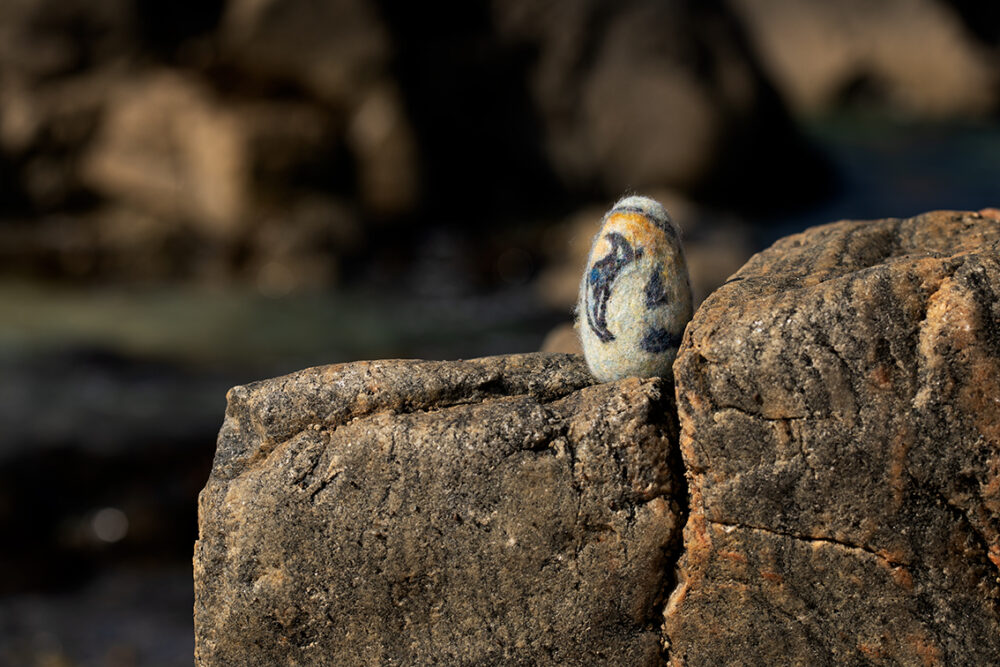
(140, 140)
(915, 57)
(145, 130)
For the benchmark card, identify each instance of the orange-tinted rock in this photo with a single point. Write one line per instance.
(839, 401)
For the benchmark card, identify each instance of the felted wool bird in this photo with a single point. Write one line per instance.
(635, 296)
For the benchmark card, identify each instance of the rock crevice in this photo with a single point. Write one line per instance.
(824, 539)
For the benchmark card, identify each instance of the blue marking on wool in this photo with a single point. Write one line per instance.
(656, 291)
(601, 280)
(659, 340)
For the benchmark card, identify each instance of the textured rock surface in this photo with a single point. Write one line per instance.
(499, 510)
(839, 402)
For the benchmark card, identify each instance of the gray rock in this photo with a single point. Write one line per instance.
(842, 439)
(493, 511)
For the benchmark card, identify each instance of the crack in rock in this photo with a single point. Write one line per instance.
(816, 539)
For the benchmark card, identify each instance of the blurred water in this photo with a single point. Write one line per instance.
(121, 618)
(103, 367)
(242, 327)
(890, 167)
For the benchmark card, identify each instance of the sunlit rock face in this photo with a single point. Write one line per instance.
(492, 511)
(839, 400)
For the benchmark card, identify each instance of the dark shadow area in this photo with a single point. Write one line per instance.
(164, 26)
(477, 131)
(776, 170)
(981, 18)
(54, 537)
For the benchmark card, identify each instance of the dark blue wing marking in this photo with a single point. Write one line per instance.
(656, 291)
(601, 279)
(659, 340)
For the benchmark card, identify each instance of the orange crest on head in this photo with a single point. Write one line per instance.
(637, 228)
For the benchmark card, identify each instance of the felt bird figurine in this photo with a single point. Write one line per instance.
(635, 296)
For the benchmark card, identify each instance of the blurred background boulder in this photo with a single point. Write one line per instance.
(201, 129)
(194, 196)
(920, 57)
(141, 129)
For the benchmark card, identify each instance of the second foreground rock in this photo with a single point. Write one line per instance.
(484, 512)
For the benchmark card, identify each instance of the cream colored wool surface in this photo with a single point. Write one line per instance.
(635, 296)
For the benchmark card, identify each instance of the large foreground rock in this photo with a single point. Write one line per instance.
(495, 511)
(839, 403)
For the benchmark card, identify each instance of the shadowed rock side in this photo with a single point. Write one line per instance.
(493, 511)
(839, 402)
